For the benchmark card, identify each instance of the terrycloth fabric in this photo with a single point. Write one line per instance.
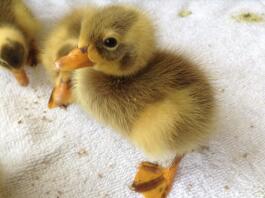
(66, 154)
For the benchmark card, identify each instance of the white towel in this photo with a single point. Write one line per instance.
(66, 154)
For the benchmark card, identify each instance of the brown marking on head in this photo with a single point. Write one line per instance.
(114, 18)
(111, 22)
(13, 53)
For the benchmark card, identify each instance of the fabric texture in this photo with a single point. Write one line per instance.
(66, 154)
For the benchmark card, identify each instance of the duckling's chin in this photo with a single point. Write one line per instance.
(115, 69)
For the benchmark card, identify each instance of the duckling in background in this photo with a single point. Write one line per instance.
(18, 30)
(159, 100)
(61, 40)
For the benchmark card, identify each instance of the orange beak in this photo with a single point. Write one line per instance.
(21, 76)
(76, 59)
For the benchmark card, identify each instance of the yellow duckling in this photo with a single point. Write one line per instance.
(60, 41)
(157, 99)
(18, 30)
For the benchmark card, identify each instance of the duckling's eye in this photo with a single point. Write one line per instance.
(110, 42)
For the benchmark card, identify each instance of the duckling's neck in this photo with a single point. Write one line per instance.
(123, 70)
(120, 75)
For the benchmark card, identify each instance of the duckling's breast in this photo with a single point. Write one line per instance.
(176, 125)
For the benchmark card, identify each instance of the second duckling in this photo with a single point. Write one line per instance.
(18, 30)
(61, 40)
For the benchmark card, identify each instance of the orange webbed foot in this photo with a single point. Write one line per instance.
(154, 181)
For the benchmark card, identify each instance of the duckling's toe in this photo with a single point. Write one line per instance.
(154, 181)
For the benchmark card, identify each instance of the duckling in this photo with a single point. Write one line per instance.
(62, 39)
(18, 30)
(159, 100)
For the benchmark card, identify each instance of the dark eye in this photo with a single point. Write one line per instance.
(110, 42)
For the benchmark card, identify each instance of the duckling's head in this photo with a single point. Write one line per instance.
(118, 40)
(13, 51)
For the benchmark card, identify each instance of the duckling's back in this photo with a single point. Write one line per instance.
(9, 12)
(6, 12)
(15, 13)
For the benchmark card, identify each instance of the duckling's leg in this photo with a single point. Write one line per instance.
(154, 181)
(61, 95)
(33, 54)
(20, 76)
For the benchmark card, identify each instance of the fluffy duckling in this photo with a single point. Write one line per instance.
(60, 41)
(157, 99)
(18, 29)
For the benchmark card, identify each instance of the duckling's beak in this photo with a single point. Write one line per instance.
(20, 76)
(77, 58)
